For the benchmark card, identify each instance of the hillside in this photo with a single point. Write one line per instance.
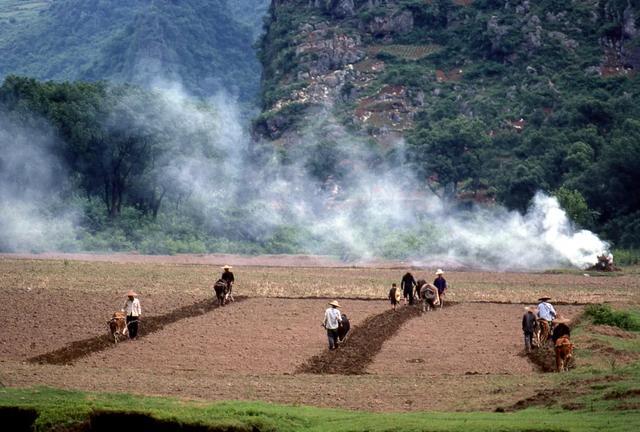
(195, 42)
(495, 99)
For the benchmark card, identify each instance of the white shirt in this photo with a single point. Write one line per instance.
(332, 318)
(133, 307)
(546, 311)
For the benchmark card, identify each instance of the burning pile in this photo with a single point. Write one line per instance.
(605, 264)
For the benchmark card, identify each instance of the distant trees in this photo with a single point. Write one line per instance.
(448, 152)
(109, 152)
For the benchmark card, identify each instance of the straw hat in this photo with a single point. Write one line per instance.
(227, 267)
(131, 293)
(541, 299)
(439, 272)
(334, 303)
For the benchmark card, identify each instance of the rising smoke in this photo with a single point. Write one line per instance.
(34, 214)
(374, 209)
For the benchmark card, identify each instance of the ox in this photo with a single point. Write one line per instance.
(541, 333)
(222, 290)
(118, 326)
(564, 352)
(343, 329)
(429, 295)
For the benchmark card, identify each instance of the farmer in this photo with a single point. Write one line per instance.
(228, 277)
(546, 310)
(441, 284)
(408, 284)
(394, 295)
(134, 311)
(528, 327)
(332, 320)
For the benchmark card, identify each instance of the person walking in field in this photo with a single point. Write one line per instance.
(394, 296)
(229, 278)
(332, 320)
(134, 311)
(441, 284)
(408, 284)
(529, 321)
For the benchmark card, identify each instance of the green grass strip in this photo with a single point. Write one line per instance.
(61, 408)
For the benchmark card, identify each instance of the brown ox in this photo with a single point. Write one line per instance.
(118, 326)
(564, 352)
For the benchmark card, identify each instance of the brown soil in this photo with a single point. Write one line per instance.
(623, 394)
(464, 339)
(85, 347)
(612, 331)
(464, 357)
(251, 350)
(363, 343)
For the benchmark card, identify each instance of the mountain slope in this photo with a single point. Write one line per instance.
(195, 42)
(495, 99)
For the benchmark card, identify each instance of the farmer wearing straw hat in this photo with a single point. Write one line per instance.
(228, 277)
(546, 310)
(133, 311)
(332, 320)
(441, 284)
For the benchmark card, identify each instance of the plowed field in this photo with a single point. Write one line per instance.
(466, 356)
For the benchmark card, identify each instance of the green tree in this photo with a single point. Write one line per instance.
(447, 153)
(576, 206)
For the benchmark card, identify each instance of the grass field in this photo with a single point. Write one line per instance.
(65, 410)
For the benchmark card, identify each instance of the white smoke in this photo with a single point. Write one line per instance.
(375, 209)
(33, 216)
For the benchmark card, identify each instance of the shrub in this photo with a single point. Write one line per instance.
(627, 256)
(604, 315)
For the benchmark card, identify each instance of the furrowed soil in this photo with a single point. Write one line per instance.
(467, 356)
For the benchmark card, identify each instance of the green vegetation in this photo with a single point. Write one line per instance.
(627, 256)
(605, 315)
(549, 87)
(60, 409)
(196, 43)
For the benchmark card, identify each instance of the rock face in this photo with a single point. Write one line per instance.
(333, 64)
(384, 25)
(369, 64)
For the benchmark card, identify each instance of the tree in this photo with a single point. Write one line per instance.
(576, 206)
(447, 153)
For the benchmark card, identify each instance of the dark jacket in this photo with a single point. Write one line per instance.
(227, 277)
(441, 284)
(408, 282)
(528, 322)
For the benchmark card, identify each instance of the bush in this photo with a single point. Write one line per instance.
(604, 315)
(627, 256)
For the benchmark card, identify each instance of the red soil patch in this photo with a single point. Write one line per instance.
(453, 75)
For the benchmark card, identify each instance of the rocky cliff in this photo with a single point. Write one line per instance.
(374, 65)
